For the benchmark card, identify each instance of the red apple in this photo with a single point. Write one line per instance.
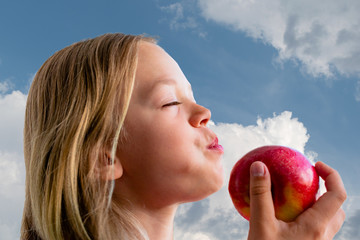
(294, 181)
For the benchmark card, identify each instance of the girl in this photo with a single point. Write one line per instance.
(114, 141)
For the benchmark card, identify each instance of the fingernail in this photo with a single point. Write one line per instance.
(257, 169)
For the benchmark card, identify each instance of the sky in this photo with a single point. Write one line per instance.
(271, 72)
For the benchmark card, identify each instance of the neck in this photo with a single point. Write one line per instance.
(158, 223)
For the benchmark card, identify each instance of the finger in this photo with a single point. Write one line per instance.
(329, 203)
(261, 203)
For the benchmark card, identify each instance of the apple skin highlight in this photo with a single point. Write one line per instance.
(294, 181)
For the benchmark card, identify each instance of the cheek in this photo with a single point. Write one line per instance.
(155, 148)
(171, 161)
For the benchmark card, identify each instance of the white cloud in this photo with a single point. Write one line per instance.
(12, 169)
(216, 215)
(5, 86)
(8, 232)
(12, 109)
(192, 236)
(322, 36)
(178, 11)
(182, 17)
(279, 130)
(350, 229)
(12, 190)
(11, 175)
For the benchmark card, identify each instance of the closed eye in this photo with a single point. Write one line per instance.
(172, 104)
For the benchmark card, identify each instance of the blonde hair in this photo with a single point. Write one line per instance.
(76, 105)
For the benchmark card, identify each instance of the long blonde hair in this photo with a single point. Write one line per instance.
(76, 105)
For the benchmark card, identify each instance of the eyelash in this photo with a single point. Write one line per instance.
(172, 104)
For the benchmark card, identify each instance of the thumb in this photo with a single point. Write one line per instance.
(261, 203)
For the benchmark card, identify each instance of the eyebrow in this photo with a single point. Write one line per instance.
(167, 81)
(162, 82)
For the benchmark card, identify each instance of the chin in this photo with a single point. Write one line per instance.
(216, 182)
(209, 188)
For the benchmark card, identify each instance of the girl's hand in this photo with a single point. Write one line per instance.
(322, 221)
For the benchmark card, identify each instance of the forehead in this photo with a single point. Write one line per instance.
(155, 66)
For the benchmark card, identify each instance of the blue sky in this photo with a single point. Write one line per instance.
(279, 73)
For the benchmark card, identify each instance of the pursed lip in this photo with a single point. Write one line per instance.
(216, 146)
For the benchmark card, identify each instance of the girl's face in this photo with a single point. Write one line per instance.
(169, 155)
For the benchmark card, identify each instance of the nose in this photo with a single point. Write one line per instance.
(199, 116)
